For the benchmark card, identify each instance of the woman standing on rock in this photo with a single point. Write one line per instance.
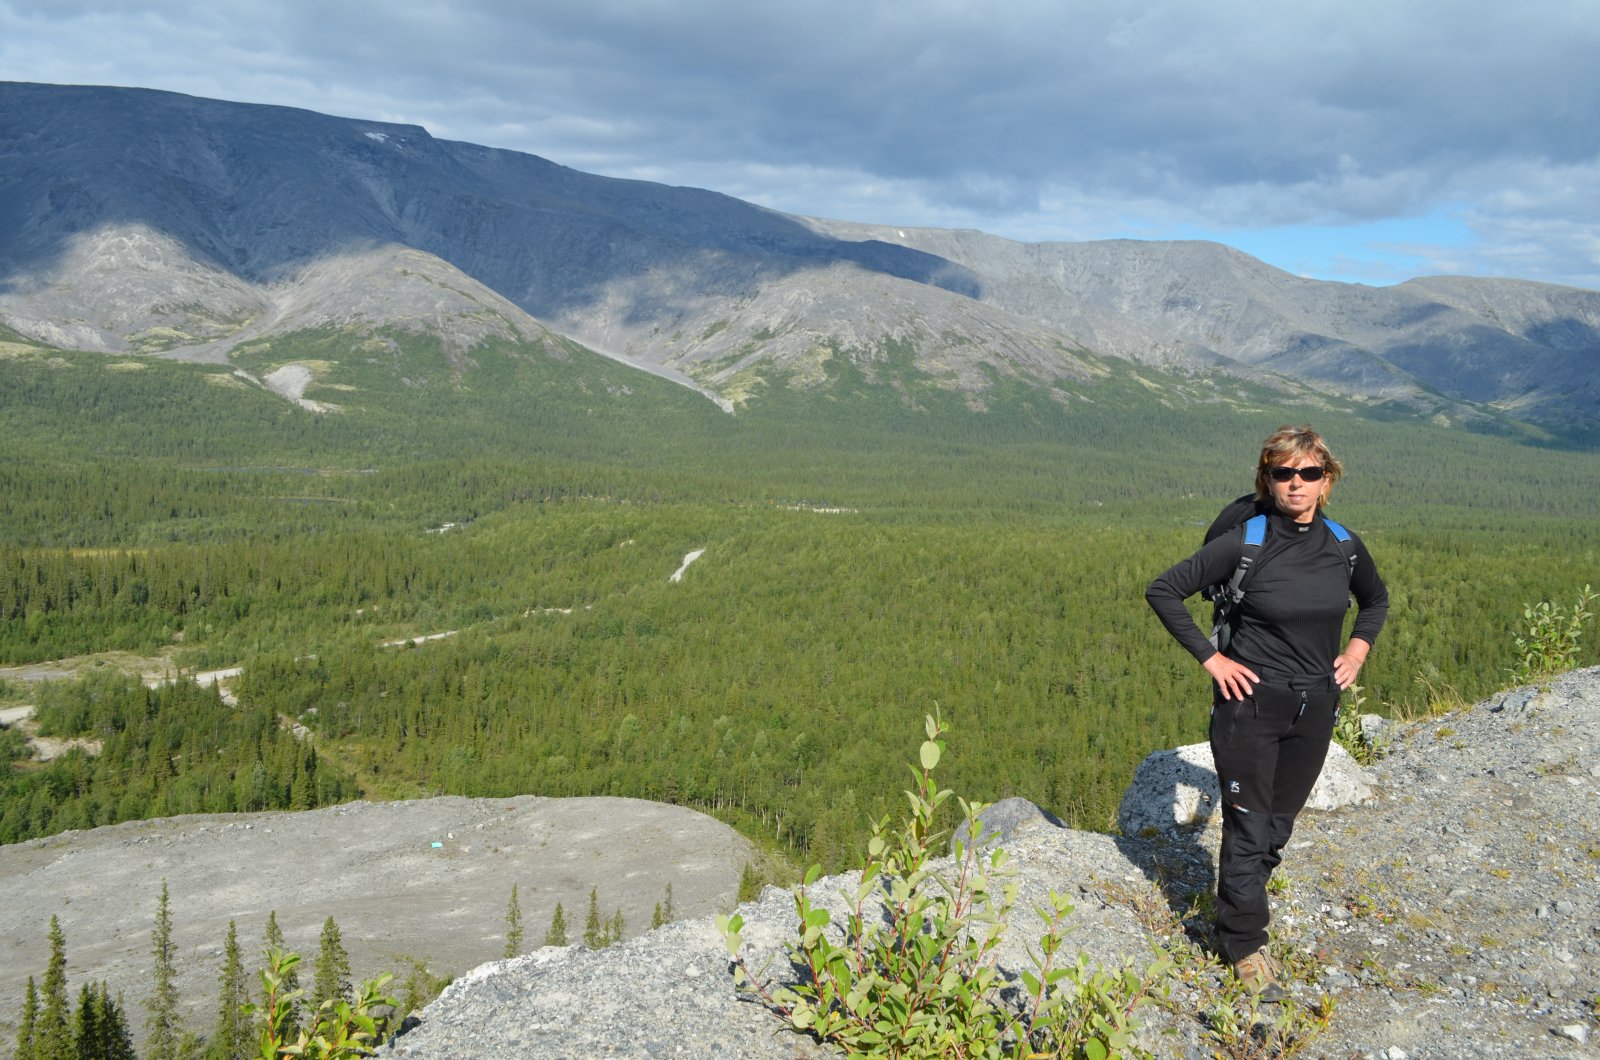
(1276, 683)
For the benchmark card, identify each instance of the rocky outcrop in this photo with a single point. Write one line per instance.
(1456, 913)
(1178, 789)
(427, 879)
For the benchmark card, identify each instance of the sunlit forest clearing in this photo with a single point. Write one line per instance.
(470, 591)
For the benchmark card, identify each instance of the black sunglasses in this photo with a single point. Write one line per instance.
(1307, 474)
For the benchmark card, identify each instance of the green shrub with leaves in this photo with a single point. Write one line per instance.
(912, 971)
(1239, 1027)
(1553, 633)
(1348, 733)
(338, 1030)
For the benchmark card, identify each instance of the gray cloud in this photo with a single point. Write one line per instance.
(1036, 119)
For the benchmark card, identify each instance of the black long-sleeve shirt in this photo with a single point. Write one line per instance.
(1294, 603)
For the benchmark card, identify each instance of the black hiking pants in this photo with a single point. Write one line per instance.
(1269, 749)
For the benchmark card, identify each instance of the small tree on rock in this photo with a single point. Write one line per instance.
(663, 913)
(102, 1029)
(162, 1025)
(594, 932)
(230, 1038)
(52, 1035)
(86, 1024)
(332, 982)
(513, 925)
(27, 1026)
(557, 935)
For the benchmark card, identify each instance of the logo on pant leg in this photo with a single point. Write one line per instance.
(1233, 787)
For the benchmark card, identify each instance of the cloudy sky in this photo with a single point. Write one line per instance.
(1351, 140)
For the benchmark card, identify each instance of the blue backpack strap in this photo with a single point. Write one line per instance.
(1226, 601)
(1341, 535)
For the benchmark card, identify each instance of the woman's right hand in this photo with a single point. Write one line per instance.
(1236, 680)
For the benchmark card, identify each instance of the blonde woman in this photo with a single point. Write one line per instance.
(1277, 681)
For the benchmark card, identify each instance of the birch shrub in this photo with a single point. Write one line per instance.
(339, 1029)
(912, 972)
(1553, 634)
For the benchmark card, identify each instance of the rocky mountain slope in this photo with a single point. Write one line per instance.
(148, 221)
(1455, 915)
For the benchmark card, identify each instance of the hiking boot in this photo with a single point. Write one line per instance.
(1257, 974)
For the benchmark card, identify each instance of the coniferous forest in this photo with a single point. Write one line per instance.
(466, 587)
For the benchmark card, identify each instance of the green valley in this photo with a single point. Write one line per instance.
(459, 581)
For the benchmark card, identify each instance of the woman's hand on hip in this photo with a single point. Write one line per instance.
(1346, 668)
(1236, 681)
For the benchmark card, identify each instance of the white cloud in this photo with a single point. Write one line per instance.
(1013, 116)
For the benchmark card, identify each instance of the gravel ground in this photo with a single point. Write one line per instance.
(1460, 914)
(430, 879)
(1453, 916)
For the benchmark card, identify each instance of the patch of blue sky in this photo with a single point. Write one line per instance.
(1377, 253)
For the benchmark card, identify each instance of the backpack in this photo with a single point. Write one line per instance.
(1226, 596)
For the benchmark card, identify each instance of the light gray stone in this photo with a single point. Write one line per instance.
(1178, 788)
(1003, 820)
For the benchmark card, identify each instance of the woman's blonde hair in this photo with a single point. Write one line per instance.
(1287, 442)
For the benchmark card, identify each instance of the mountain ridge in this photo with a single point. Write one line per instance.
(745, 300)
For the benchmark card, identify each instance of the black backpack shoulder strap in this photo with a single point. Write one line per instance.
(1235, 512)
(1255, 534)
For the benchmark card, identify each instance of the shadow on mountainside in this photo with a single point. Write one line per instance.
(262, 191)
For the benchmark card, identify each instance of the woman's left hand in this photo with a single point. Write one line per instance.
(1346, 668)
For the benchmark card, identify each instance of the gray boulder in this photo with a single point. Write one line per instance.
(1002, 821)
(1178, 789)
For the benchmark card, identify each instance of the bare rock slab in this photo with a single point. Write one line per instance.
(428, 879)
(1178, 789)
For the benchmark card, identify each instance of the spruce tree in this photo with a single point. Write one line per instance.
(513, 925)
(421, 987)
(614, 929)
(303, 789)
(52, 1033)
(86, 1025)
(332, 981)
(594, 932)
(27, 1026)
(557, 935)
(663, 913)
(112, 1040)
(230, 1038)
(272, 939)
(161, 1023)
